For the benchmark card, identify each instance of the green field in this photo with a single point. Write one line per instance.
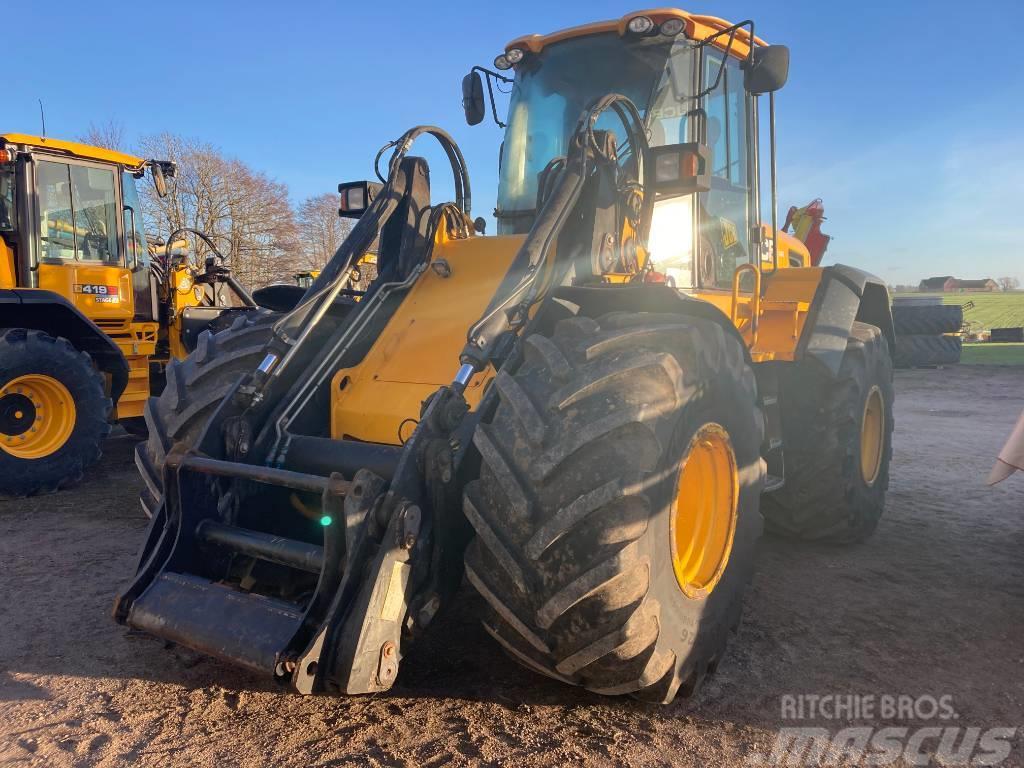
(990, 310)
(992, 354)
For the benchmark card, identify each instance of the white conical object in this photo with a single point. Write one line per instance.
(1011, 458)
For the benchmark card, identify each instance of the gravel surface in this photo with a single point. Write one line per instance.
(932, 605)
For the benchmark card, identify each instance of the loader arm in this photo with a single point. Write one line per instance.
(326, 612)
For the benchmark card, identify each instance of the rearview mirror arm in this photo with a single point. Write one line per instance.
(731, 31)
(774, 190)
(488, 74)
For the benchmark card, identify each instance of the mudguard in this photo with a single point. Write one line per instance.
(844, 295)
(50, 312)
(595, 301)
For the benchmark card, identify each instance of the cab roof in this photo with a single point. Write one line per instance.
(84, 151)
(698, 27)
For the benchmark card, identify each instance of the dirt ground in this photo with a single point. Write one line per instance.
(932, 605)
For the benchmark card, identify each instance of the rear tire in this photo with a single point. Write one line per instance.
(25, 415)
(928, 320)
(927, 351)
(577, 497)
(194, 388)
(826, 496)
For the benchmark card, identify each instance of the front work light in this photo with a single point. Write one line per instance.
(356, 197)
(640, 25)
(672, 27)
(514, 55)
(502, 62)
(681, 169)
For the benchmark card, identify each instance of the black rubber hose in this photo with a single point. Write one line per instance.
(562, 198)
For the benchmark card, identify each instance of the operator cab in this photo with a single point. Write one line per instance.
(71, 221)
(694, 80)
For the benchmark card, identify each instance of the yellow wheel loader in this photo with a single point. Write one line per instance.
(586, 415)
(88, 317)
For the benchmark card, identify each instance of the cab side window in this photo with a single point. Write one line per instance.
(78, 212)
(56, 218)
(7, 213)
(724, 239)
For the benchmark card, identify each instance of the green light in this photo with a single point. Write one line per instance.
(326, 520)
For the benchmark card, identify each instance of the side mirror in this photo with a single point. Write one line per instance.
(356, 197)
(162, 170)
(767, 69)
(473, 98)
(158, 179)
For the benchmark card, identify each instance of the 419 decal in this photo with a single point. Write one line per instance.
(104, 294)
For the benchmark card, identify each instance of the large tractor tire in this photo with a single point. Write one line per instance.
(53, 413)
(837, 437)
(927, 351)
(927, 320)
(194, 388)
(616, 512)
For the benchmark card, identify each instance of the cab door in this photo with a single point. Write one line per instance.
(136, 255)
(725, 219)
(79, 225)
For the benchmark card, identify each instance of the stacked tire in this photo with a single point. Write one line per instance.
(926, 334)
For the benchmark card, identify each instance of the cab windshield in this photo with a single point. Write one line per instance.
(696, 240)
(552, 90)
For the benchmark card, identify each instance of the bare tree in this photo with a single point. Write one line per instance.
(1009, 283)
(321, 230)
(109, 135)
(246, 212)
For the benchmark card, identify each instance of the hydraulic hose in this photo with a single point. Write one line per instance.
(584, 152)
(295, 328)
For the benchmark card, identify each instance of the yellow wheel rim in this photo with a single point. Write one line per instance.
(872, 436)
(37, 416)
(703, 521)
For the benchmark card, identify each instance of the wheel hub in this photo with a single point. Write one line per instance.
(703, 521)
(17, 414)
(37, 416)
(872, 436)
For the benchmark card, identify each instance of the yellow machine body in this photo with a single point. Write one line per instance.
(112, 312)
(379, 399)
(597, 474)
(103, 291)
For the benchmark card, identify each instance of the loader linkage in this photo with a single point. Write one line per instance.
(344, 636)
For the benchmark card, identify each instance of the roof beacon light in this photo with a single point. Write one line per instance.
(640, 25)
(514, 55)
(672, 27)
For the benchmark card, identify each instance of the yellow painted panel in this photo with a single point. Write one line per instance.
(798, 284)
(133, 400)
(86, 151)
(785, 302)
(698, 27)
(419, 349)
(68, 280)
(8, 277)
(792, 251)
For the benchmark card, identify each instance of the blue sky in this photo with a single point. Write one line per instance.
(905, 117)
